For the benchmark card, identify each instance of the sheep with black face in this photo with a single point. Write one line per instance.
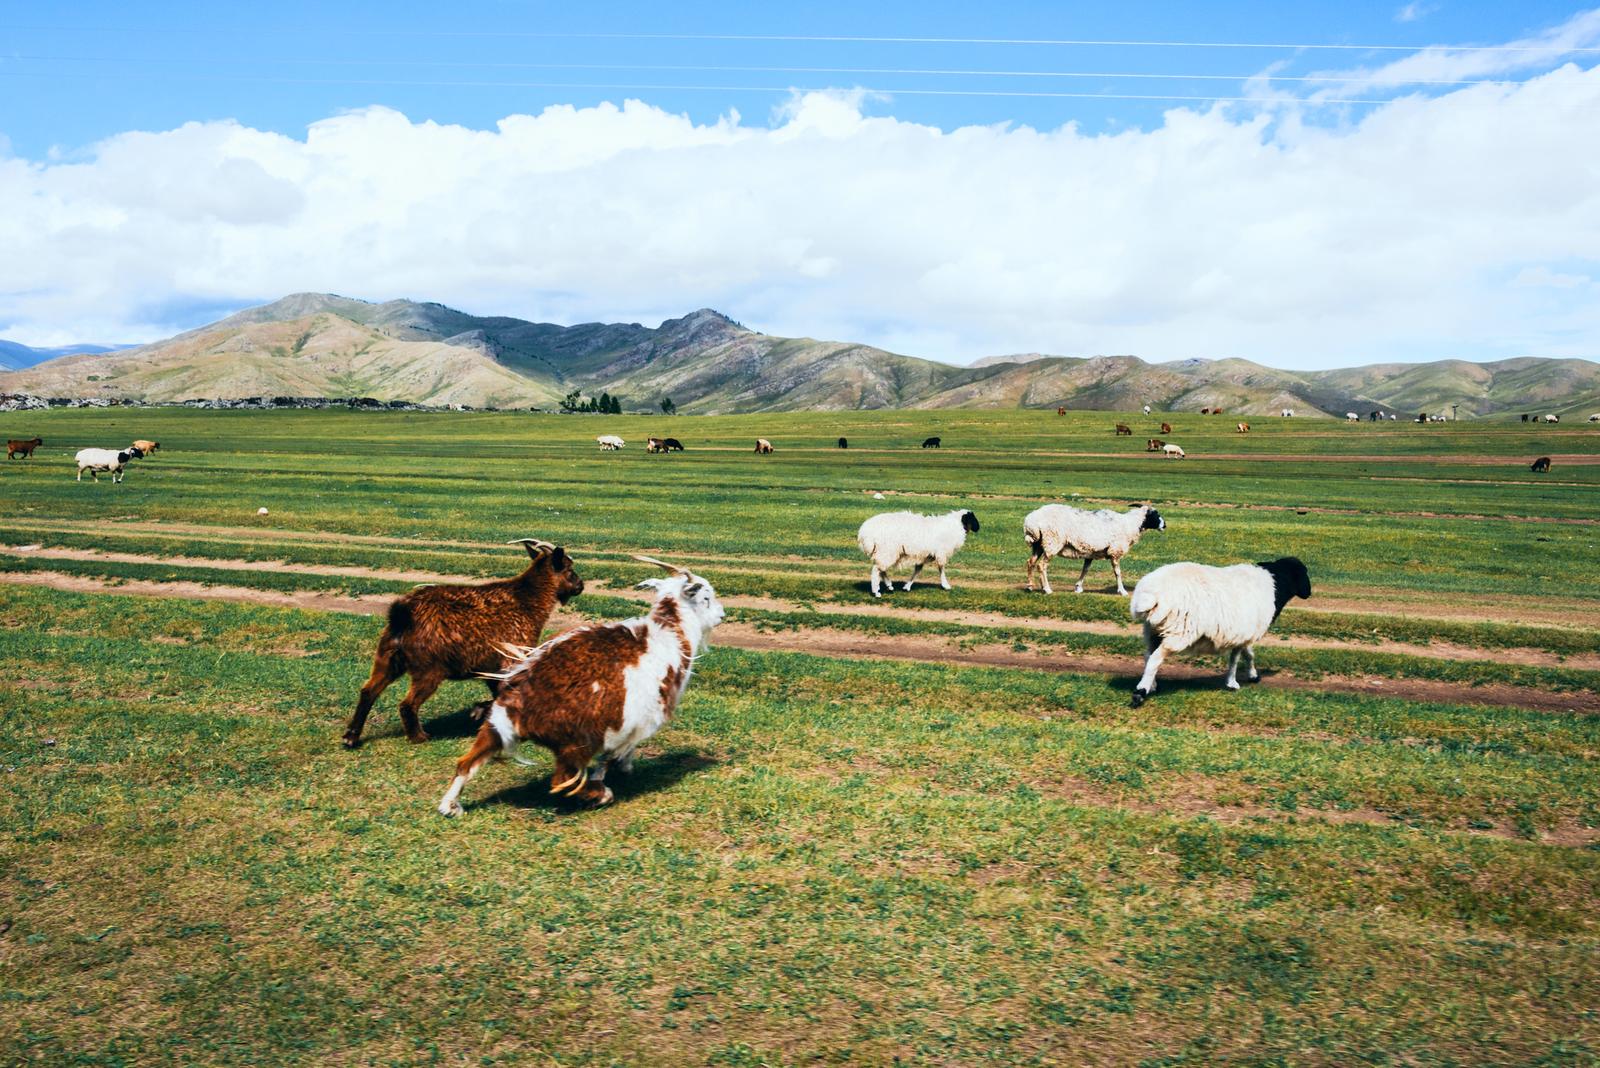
(894, 538)
(1060, 530)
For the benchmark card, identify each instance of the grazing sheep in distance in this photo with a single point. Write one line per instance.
(673, 445)
(1287, 413)
(593, 695)
(1351, 417)
(843, 444)
(1205, 411)
(1059, 530)
(1524, 417)
(1166, 428)
(1552, 419)
(147, 447)
(1212, 610)
(16, 447)
(1147, 409)
(1154, 445)
(763, 446)
(931, 443)
(1216, 411)
(1595, 418)
(610, 442)
(655, 445)
(1124, 429)
(444, 632)
(96, 460)
(1541, 465)
(1243, 428)
(893, 538)
(1173, 451)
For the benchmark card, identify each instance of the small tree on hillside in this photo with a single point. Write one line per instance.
(667, 407)
(616, 406)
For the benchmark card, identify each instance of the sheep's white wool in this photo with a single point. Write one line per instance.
(893, 538)
(1061, 530)
(1205, 609)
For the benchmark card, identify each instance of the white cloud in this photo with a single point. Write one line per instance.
(1217, 233)
(1443, 64)
(1414, 11)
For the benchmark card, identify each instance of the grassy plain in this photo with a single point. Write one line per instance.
(837, 860)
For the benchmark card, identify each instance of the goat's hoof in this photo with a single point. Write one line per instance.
(450, 810)
(352, 741)
(1139, 697)
(418, 738)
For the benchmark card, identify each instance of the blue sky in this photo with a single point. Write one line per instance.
(76, 73)
(167, 163)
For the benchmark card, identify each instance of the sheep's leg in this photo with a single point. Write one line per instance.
(1250, 664)
(1044, 573)
(944, 583)
(915, 571)
(423, 684)
(1233, 669)
(877, 578)
(1147, 683)
(485, 745)
(386, 667)
(1033, 564)
(80, 474)
(1087, 560)
(1116, 566)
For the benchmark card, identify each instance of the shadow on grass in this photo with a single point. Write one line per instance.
(649, 775)
(1181, 678)
(457, 724)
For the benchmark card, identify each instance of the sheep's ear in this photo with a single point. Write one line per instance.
(693, 589)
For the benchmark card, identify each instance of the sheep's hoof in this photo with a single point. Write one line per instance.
(1139, 697)
(1075, 589)
(1231, 684)
(1253, 678)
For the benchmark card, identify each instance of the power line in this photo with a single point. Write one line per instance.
(627, 87)
(820, 38)
(708, 68)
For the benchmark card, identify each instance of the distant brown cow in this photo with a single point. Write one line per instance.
(1124, 428)
(1205, 411)
(23, 449)
(1061, 411)
(1166, 428)
(1154, 445)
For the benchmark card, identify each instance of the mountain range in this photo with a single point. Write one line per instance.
(313, 344)
(14, 355)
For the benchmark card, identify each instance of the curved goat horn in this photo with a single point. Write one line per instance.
(674, 568)
(535, 546)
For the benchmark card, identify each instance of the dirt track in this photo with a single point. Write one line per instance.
(922, 648)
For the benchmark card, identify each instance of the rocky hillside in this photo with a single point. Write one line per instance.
(314, 344)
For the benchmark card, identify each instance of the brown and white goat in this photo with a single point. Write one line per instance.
(593, 695)
(458, 632)
(763, 446)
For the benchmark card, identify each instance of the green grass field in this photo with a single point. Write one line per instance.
(948, 841)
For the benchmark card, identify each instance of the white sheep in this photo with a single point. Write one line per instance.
(892, 538)
(96, 460)
(1173, 451)
(1287, 413)
(1595, 418)
(1351, 417)
(1552, 419)
(1212, 610)
(610, 442)
(1059, 530)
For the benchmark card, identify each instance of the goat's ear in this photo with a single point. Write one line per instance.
(649, 584)
(559, 560)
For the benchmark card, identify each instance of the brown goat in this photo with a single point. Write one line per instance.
(1243, 428)
(147, 447)
(457, 632)
(1061, 411)
(24, 449)
(1154, 445)
(1124, 428)
(1166, 428)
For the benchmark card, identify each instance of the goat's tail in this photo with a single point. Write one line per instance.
(400, 617)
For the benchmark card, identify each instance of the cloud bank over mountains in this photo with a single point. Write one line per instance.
(1460, 224)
